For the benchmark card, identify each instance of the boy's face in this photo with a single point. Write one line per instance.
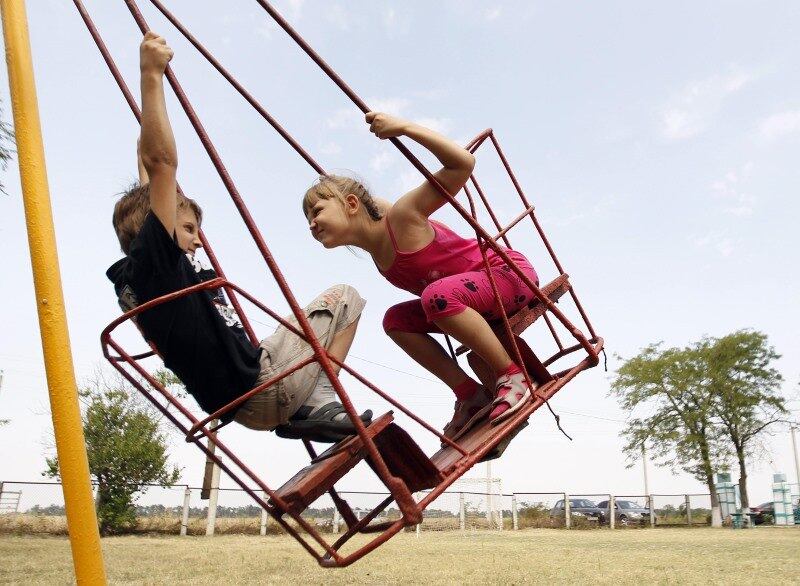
(187, 231)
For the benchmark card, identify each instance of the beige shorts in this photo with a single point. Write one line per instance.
(332, 311)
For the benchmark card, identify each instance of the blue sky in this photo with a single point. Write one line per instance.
(658, 141)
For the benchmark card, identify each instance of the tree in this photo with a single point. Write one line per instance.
(7, 141)
(744, 388)
(679, 431)
(126, 450)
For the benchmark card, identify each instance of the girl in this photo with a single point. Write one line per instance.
(427, 259)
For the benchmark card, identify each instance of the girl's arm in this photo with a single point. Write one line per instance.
(457, 164)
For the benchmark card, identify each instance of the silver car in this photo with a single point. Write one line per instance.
(626, 512)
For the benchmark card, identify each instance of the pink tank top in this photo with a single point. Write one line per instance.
(447, 254)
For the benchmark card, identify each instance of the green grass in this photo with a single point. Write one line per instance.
(650, 556)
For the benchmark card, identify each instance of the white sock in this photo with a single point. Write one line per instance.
(323, 394)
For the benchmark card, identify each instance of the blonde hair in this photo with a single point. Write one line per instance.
(131, 210)
(339, 187)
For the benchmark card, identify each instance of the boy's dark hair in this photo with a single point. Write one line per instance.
(131, 210)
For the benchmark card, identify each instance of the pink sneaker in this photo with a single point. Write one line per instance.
(512, 394)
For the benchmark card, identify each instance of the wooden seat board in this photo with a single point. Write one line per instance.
(314, 480)
(482, 434)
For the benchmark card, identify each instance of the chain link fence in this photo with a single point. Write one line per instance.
(38, 508)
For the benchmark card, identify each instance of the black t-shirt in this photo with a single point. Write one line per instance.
(198, 336)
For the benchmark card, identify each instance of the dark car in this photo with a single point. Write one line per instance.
(759, 514)
(626, 513)
(578, 508)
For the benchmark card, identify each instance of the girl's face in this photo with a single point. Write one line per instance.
(329, 223)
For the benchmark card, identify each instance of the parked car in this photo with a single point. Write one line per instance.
(626, 513)
(577, 507)
(758, 514)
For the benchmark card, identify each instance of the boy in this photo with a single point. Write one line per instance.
(198, 336)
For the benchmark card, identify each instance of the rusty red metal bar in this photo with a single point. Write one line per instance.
(432, 180)
(239, 88)
(195, 429)
(405, 501)
(115, 73)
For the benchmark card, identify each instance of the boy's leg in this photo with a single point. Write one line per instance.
(333, 316)
(324, 392)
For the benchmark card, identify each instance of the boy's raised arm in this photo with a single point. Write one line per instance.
(159, 154)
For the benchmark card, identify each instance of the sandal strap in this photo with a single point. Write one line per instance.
(329, 411)
(507, 399)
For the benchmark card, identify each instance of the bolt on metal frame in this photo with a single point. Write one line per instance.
(452, 466)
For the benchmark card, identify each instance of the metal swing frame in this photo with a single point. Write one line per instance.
(393, 455)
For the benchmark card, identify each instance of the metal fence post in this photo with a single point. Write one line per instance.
(335, 529)
(514, 513)
(264, 516)
(650, 505)
(612, 514)
(462, 512)
(567, 512)
(185, 516)
(687, 498)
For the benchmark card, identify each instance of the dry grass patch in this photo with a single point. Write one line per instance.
(651, 556)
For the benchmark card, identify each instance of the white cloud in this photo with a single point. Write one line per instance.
(730, 189)
(492, 13)
(342, 118)
(390, 18)
(296, 9)
(408, 180)
(678, 124)
(330, 148)
(266, 28)
(578, 214)
(441, 125)
(396, 21)
(381, 161)
(393, 106)
(692, 109)
(717, 241)
(351, 117)
(780, 125)
(338, 16)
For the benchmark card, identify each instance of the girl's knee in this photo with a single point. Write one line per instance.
(439, 301)
(405, 317)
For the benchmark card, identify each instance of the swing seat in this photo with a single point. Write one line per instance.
(485, 433)
(404, 458)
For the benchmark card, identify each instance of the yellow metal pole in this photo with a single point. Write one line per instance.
(74, 465)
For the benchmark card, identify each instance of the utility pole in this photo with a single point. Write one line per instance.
(792, 427)
(489, 492)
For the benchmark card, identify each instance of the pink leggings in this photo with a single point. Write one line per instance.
(452, 295)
